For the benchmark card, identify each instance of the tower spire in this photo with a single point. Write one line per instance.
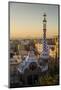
(44, 26)
(44, 56)
(44, 32)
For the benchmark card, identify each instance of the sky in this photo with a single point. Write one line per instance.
(26, 20)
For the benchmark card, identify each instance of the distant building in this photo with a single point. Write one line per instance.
(14, 62)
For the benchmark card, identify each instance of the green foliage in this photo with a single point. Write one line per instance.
(52, 77)
(48, 80)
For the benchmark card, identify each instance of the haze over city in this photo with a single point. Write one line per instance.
(26, 20)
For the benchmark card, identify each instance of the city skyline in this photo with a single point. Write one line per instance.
(26, 20)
